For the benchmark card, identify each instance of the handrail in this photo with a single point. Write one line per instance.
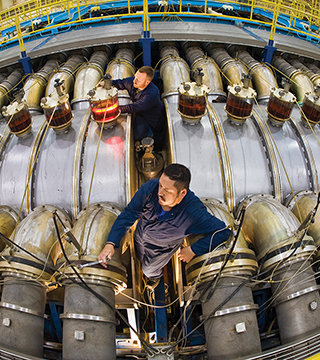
(280, 14)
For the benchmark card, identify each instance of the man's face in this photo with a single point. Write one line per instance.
(168, 194)
(140, 80)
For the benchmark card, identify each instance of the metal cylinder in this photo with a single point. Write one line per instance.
(234, 323)
(262, 76)
(87, 78)
(24, 296)
(174, 71)
(66, 72)
(88, 324)
(121, 66)
(301, 84)
(281, 247)
(212, 77)
(236, 319)
(22, 309)
(301, 204)
(8, 84)
(294, 287)
(35, 86)
(8, 220)
(232, 69)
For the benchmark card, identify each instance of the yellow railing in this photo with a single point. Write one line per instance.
(168, 10)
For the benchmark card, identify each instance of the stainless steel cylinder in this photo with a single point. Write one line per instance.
(22, 309)
(234, 323)
(87, 78)
(301, 204)
(121, 67)
(66, 72)
(35, 86)
(296, 299)
(262, 76)
(89, 326)
(8, 220)
(8, 84)
(174, 71)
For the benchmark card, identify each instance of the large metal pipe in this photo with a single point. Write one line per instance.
(8, 84)
(301, 204)
(282, 249)
(262, 76)
(314, 77)
(212, 77)
(88, 76)
(236, 319)
(66, 73)
(301, 84)
(35, 85)
(23, 298)
(172, 64)
(89, 326)
(8, 220)
(232, 69)
(121, 66)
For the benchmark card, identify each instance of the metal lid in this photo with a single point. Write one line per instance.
(314, 98)
(192, 89)
(100, 93)
(13, 108)
(53, 100)
(283, 95)
(241, 91)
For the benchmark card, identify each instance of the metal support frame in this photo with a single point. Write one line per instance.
(268, 53)
(160, 313)
(146, 41)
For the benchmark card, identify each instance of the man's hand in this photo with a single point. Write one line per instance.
(186, 254)
(107, 252)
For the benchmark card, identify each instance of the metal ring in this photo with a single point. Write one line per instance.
(298, 293)
(231, 311)
(87, 317)
(20, 308)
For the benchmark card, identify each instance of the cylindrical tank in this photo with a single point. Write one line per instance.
(236, 319)
(89, 326)
(284, 249)
(262, 76)
(280, 105)
(57, 109)
(104, 104)
(87, 77)
(310, 109)
(172, 64)
(232, 69)
(18, 116)
(240, 101)
(301, 84)
(8, 84)
(35, 85)
(24, 294)
(8, 220)
(66, 72)
(212, 77)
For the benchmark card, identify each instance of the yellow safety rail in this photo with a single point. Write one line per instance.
(166, 9)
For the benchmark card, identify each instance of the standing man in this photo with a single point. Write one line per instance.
(168, 212)
(146, 105)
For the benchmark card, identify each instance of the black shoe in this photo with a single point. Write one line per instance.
(153, 283)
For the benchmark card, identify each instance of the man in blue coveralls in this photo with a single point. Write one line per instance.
(168, 211)
(147, 107)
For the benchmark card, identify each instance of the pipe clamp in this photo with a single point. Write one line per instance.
(87, 317)
(20, 308)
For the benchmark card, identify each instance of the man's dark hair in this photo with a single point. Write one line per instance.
(179, 174)
(147, 70)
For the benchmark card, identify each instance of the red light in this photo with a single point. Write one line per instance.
(109, 108)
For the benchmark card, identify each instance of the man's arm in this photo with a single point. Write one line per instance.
(216, 230)
(123, 84)
(147, 101)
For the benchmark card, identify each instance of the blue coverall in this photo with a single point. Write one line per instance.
(148, 109)
(157, 238)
